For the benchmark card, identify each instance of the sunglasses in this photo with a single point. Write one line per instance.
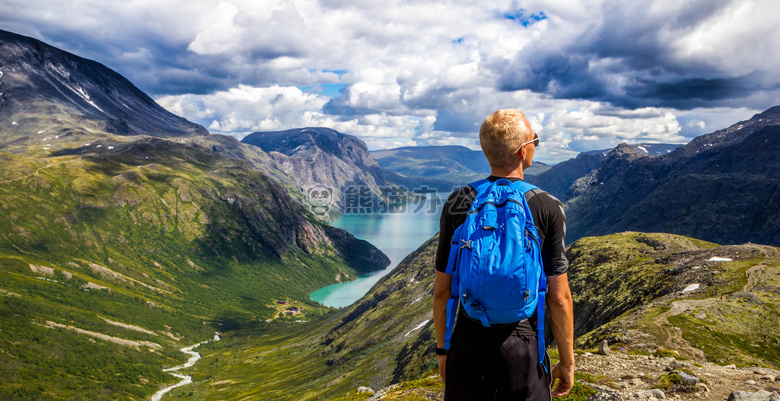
(535, 141)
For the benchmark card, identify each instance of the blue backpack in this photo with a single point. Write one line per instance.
(495, 260)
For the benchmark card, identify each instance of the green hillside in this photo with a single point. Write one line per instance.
(707, 302)
(112, 259)
(625, 286)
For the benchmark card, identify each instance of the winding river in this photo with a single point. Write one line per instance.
(185, 380)
(395, 234)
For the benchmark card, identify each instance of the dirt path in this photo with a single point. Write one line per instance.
(38, 170)
(674, 339)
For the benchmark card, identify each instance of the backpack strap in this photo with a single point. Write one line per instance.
(452, 303)
(540, 319)
(526, 188)
(481, 186)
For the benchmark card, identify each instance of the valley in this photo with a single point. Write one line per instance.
(129, 234)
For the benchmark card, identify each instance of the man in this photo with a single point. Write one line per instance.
(501, 362)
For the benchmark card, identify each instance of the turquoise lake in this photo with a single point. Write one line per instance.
(395, 234)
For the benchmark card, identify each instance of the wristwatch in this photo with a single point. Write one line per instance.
(441, 351)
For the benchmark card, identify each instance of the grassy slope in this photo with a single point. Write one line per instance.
(365, 344)
(657, 313)
(622, 282)
(181, 241)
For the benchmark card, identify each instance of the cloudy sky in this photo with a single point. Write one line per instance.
(588, 74)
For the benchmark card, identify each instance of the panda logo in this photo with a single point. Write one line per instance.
(320, 197)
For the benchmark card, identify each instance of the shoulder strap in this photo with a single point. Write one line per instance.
(524, 186)
(481, 185)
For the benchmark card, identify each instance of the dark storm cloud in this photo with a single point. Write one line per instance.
(628, 59)
(457, 122)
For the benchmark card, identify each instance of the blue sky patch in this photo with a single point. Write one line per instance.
(329, 90)
(521, 18)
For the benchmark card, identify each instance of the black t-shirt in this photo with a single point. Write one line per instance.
(549, 219)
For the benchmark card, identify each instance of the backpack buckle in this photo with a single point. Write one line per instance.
(466, 244)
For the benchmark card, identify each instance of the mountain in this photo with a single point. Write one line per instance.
(456, 164)
(559, 178)
(649, 293)
(117, 252)
(722, 187)
(322, 160)
(459, 165)
(51, 97)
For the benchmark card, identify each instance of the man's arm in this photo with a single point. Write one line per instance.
(441, 294)
(560, 309)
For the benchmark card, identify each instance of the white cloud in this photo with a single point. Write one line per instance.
(428, 72)
(244, 109)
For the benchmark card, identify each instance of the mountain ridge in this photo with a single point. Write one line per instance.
(721, 187)
(56, 93)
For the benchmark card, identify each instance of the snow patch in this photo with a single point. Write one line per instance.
(718, 259)
(419, 326)
(642, 148)
(80, 91)
(416, 301)
(692, 287)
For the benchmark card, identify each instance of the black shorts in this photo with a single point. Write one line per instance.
(494, 363)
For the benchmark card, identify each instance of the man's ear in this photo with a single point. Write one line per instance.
(522, 153)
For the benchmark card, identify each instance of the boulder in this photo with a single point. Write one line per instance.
(365, 390)
(654, 393)
(687, 379)
(604, 348)
(604, 393)
(753, 396)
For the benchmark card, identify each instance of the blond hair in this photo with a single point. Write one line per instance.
(501, 134)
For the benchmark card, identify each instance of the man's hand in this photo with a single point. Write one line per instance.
(564, 375)
(442, 366)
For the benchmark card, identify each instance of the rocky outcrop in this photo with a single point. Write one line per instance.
(336, 172)
(324, 158)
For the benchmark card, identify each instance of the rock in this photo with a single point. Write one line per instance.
(381, 393)
(768, 378)
(654, 393)
(732, 366)
(604, 393)
(604, 348)
(751, 396)
(365, 390)
(635, 382)
(687, 379)
(701, 386)
(750, 382)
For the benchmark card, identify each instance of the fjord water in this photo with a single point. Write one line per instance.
(395, 234)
